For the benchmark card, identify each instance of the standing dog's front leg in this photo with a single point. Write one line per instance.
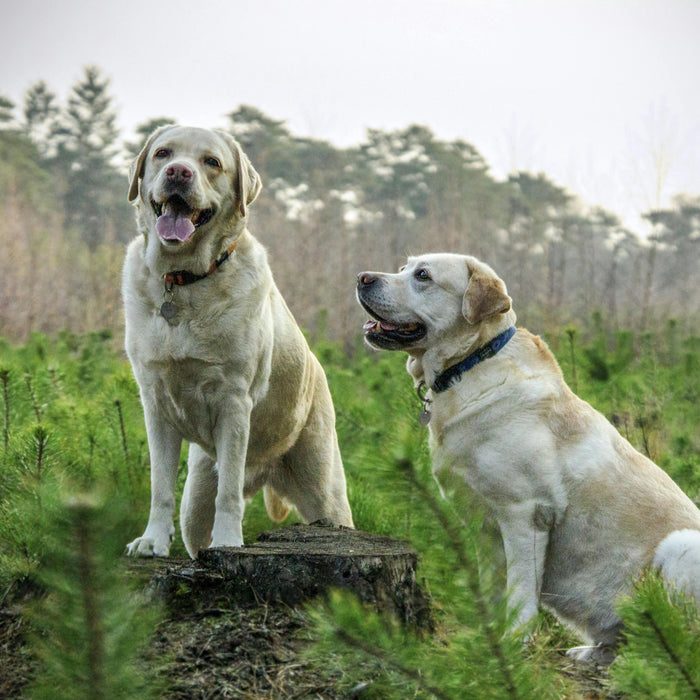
(525, 531)
(164, 444)
(231, 438)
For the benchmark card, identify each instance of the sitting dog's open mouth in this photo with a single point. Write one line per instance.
(391, 336)
(177, 220)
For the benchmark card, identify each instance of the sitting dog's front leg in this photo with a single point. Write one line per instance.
(233, 431)
(164, 444)
(525, 531)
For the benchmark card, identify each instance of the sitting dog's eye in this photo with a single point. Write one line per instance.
(421, 274)
(161, 153)
(212, 162)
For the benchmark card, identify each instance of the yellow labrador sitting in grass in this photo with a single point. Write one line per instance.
(218, 357)
(581, 512)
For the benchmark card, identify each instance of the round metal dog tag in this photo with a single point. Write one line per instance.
(168, 310)
(424, 415)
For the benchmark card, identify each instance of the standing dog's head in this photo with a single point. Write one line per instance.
(440, 303)
(187, 181)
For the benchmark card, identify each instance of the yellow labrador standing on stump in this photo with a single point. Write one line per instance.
(218, 357)
(581, 512)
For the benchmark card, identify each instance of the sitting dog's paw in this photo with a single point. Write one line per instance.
(598, 654)
(150, 545)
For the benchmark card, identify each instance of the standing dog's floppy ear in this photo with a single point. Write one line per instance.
(248, 183)
(486, 294)
(136, 171)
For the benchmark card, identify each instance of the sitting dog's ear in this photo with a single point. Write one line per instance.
(486, 294)
(247, 181)
(136, 171)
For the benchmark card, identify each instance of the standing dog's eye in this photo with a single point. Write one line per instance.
(421, 274)
(212, 162)
(161, 153)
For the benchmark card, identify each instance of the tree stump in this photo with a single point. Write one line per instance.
(293, 564)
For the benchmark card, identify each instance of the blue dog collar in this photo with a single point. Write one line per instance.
(454, 373)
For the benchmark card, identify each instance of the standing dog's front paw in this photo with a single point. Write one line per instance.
(227, 531)
(151, 544)
(216, 544)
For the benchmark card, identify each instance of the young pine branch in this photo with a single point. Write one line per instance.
(389, 661)
(672, 654)
(32, 397)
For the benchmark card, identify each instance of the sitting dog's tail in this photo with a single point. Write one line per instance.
(678, 557)
(277, 508)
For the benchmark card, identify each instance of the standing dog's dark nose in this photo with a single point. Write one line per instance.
(365, 279)
(178, 174)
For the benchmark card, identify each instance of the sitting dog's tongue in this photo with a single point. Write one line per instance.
(174, 226)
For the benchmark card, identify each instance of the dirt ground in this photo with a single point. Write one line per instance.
(16, 661)
(246, 652)
(239, 653)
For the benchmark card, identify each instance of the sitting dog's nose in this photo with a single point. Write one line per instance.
(365, 279)
(178, 174)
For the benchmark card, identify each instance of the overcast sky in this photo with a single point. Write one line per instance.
(600, 94)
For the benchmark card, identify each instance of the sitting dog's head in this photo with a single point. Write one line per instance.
(443, 301)
(186, 180)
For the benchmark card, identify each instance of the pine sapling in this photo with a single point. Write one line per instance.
(41, 441)
(122, 431)
(32, 396)
(661, 654)
(89, 629)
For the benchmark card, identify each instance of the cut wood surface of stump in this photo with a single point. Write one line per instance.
(299, 562)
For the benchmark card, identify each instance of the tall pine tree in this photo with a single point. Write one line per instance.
(40, 113)
(87, 138)
(7, 109)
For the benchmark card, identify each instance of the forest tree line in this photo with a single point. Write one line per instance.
(325, 213)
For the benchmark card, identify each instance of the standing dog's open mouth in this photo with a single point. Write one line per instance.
(177, 220)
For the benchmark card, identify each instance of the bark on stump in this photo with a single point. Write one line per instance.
(299, 562)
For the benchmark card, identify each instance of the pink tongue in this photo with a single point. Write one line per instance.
(174, 228)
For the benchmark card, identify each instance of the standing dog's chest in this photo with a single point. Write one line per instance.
(194, 375)
(189, 394)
